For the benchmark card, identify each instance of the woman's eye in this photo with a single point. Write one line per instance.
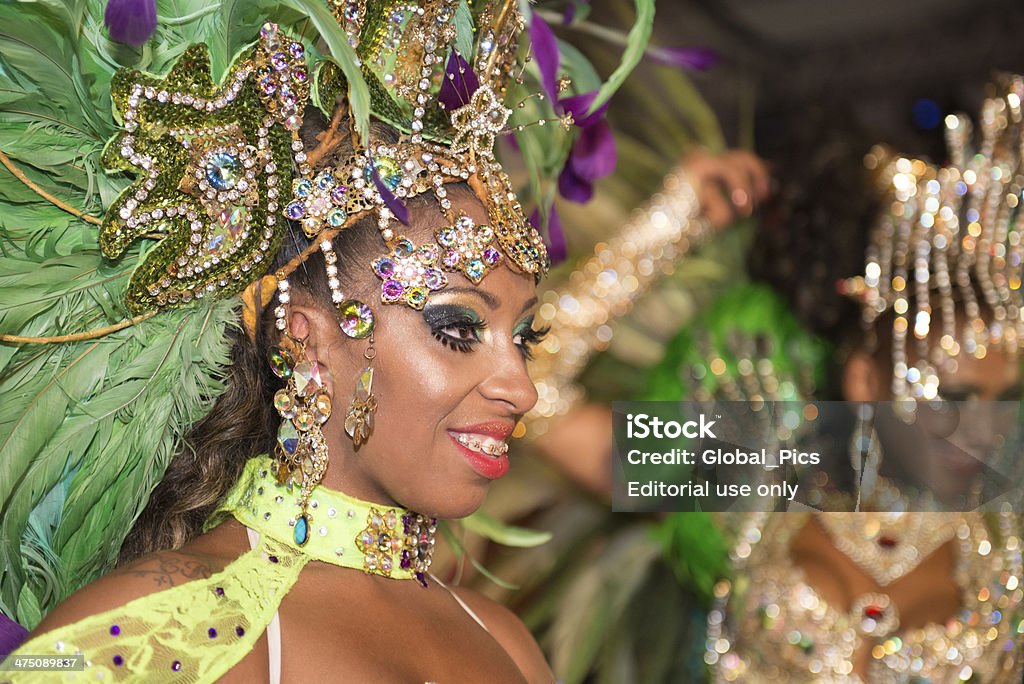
(460, 336)
(529, 338)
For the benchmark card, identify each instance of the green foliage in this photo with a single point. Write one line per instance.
(636, 43)
(507, 535)
(86, 428)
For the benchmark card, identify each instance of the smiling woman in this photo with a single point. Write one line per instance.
(377, 370)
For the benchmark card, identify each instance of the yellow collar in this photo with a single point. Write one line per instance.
(340, 529)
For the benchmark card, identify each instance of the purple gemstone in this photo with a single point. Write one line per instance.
(296, 51)
(392, 289)
(272, 559)
(279, 61)
(451, 258)
(491, 256)
(405, 563)
(212, 632)
(269, 84)
(339, 195)
(422, 579)
(299, 75)
(434, 280)
(115, 630)
(385, 268)
(118, 660)
(239, 631)
(220, 591)
(176, 665)
(295, 210)
(286, 96)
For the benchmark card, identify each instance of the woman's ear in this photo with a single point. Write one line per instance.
(863, 378)
(313, 326)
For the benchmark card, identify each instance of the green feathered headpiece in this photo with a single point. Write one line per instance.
(97, 388)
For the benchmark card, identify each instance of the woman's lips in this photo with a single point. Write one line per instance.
(485, 453)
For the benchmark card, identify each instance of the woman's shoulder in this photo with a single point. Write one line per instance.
(155, 572)
(509, 631)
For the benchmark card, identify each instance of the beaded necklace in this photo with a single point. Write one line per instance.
(344, 531)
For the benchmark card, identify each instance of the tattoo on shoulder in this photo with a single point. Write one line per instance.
(168, 569)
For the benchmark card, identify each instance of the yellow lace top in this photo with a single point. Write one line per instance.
(196, 632)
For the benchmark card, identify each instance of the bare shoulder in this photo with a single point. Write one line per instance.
(509, 631)
(152, 573)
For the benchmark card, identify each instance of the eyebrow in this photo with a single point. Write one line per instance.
(490, 300)
(528, 304)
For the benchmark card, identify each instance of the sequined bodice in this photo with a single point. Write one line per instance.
(771, 625)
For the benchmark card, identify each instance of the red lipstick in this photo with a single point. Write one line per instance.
(490, 467)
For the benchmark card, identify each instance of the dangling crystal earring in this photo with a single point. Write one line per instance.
(865, 453)
(304, 407)
(356, 321)
(359, 421)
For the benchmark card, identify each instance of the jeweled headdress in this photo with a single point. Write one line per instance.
(945, 259)
(137, 199)
(222, 166)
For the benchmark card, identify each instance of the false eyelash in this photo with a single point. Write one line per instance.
(454, 343)
(532, 338)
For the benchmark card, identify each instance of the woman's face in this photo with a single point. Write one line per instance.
(454, 372)
(949, 443)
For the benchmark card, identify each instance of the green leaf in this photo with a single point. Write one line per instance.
(460, 552)
(464, 30)
(509, 535)
(345, 56)
(584, 77)
(636, 43)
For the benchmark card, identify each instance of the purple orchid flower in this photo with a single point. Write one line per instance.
(695, 59)
(546, 54)
(593, 155)
(12, 635)
(558, 249)
(131, 21)
(459, 83)
(391, 201)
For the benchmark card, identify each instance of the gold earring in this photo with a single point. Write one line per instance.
(359, 420)
(304, 406)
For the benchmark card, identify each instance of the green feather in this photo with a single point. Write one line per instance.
(463, 29)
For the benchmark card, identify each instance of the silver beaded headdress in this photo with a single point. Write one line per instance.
(945, 256)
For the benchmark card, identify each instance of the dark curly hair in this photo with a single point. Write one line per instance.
(815, 228)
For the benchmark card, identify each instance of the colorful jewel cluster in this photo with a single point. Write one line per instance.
(468, 248)
(412, 89)
(381, 543)
(317, 203)
(304, 406)
(409, 273)
(211, 160)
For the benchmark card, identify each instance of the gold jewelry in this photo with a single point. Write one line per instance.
(945, 236)
(359, 420)
(778, 628)
(304, 406)
(605, 287)
(887, 545)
